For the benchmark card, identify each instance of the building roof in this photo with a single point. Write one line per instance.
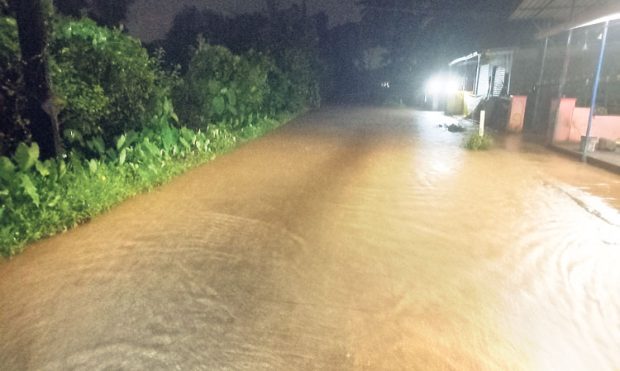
(555, 10)
(562, 15)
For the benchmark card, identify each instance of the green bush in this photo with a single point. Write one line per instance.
(106, 81)
(293, 80)
(120, 125)
(280, 98)
(221, 87)
(39, 199)
(300, 69)
(476, 142)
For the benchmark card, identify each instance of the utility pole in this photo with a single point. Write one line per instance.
(597, 80)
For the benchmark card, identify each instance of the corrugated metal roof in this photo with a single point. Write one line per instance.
(609, 12)
(555, 10)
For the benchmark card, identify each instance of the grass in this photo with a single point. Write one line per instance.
(39, 199)
(475, 142)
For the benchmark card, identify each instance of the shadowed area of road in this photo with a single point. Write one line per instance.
(350, 239)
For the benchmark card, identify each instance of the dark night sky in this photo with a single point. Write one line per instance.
(150, 19)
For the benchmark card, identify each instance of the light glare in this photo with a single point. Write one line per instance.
(443, 85)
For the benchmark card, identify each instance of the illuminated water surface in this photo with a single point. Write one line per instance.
(350, 239)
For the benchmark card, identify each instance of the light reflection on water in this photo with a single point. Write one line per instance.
(351, 239)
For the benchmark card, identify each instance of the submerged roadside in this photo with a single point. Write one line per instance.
(128, 120)
(44, 198)
(609, 161)
(352, 238)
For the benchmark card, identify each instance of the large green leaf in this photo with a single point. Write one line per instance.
(62, 169)
(151, 148)
(96, 145)
(232, 97)
(92, 166)
(43, 167)
(7, 168)
(168, 137)
(122, 156)
(25, 156)
(174, 117)
(29, 188)
(184, 143)
(213, 87)
(54, 201)
(120, 142)
(132, 137)
(218, 105)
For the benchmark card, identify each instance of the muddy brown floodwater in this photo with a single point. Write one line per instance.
(350, 239)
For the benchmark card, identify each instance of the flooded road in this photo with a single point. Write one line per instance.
(350, 239)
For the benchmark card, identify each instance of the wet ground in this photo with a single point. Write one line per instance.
(350, 239)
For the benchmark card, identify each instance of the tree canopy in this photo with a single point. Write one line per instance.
(105, 12)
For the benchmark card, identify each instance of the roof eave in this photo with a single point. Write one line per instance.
(605, 13)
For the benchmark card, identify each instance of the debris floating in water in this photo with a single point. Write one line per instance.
(456, 128)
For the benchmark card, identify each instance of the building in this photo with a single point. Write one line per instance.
(577, 93)
(571, 78)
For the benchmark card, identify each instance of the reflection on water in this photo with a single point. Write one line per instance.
(350, 239)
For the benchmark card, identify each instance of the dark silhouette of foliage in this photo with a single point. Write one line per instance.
(421, 35)
(73, 8)
(341, 47)
(13, 128)
(4, 7)
(289, 37)
(109, 13)
(182, 37)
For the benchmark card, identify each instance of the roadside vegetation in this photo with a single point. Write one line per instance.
(128, 121)
(476, 142)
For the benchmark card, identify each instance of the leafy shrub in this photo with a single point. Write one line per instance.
(120, 124)
(106, 80)
(300, 69)
(293, 81)
(476, 142)
(220, 86)
(38, 199)
(280, 98)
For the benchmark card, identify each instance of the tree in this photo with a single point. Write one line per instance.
(341, 48)
(188, 24)
(417, 27)
(272, 8)
(4, 7)
(110, 13)
(424, 35)
(32, 27)
(73, 8)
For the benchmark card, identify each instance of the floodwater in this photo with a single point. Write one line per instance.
(350, 239)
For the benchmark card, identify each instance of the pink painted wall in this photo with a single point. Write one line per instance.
(572, 123)
(563, 120)
(517, 113)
